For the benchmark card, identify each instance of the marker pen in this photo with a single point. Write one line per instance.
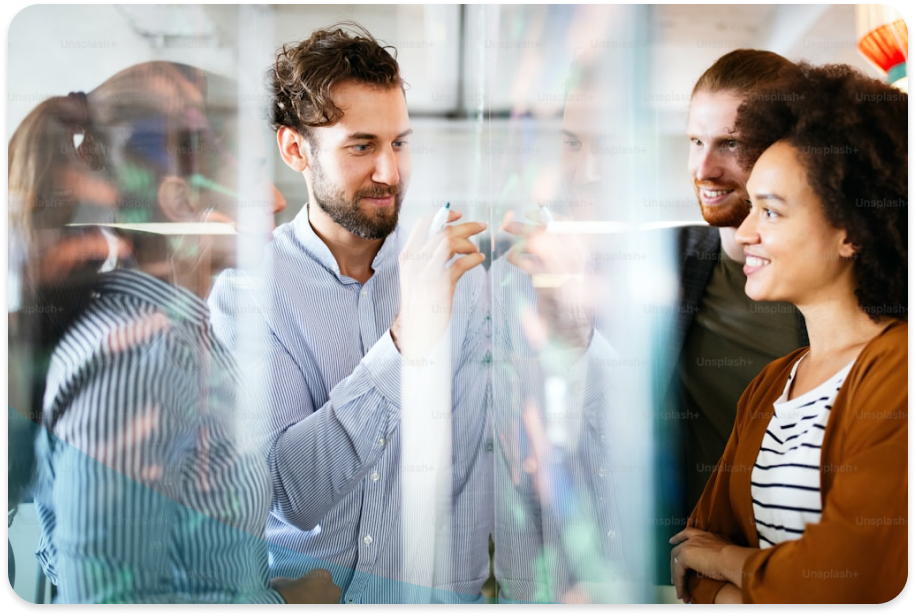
(546, 216)
(439, 221)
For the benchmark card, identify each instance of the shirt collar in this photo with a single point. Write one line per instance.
(316, 247)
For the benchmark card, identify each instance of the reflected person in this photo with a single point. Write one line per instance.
(558, 532)
(146, 491)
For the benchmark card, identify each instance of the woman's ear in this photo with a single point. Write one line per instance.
(848, 250)
(176, 201)
(294, 149)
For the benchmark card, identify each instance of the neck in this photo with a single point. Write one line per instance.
(730, 244)
(179, 263)
(838, 329)
(354, 255)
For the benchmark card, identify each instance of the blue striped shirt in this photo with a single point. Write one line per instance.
(145, 494)
(334, 404)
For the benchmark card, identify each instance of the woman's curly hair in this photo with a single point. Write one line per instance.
(850, 134)
(301, 79)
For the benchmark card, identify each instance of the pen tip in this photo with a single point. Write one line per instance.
(447, 205)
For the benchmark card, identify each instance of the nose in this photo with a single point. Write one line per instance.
(386, 168)
(747, 235)
(588, 171)
(708, 165)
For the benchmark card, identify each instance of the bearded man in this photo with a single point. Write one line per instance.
(336, 290)
(722, 339)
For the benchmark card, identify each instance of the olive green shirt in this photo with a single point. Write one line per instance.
(730, 342)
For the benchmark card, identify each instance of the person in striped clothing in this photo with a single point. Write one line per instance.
(346, 304)
(809, 500)
(150, 486)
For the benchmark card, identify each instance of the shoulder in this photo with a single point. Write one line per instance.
(890, 346)
(698, 239)
(111, 366)
(880, 372)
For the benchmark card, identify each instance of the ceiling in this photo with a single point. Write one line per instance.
(538, 43)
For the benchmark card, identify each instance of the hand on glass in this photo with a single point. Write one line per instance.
(428, 281)
(557, 266)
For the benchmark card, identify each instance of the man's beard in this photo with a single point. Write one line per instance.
(729, 213)
(348, 214)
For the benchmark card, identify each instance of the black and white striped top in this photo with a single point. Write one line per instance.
(333, 399)
(144, 492)
(786, 480)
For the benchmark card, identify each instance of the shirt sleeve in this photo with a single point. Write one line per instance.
(316, 455)
(857, 551)
(124, 451)
(715, 511)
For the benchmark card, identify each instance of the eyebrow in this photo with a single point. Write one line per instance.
(563, 131)
(371, 137)
(769, 197)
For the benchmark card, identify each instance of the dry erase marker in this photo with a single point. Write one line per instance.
(439, 220)
(546, 216)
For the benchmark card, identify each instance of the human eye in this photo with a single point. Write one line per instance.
(769, 214)
(360, 148)
(572, 144)
(401, 143)
(695, 141)
(731, 144)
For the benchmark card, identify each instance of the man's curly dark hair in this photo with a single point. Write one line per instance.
(301, 79)
(850, 134)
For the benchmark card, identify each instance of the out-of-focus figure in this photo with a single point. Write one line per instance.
(559, 536)
(151, 486)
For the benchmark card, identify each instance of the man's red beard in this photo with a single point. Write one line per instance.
(730, 212)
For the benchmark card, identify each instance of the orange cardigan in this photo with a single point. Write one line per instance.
(857, 553)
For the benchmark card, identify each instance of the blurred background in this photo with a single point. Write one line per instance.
(461, 61)
(487, 91)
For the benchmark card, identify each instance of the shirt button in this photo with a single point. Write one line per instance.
(367, 539)
(364, 293)
(374, 476)
(381, 441)
(611, 534)
(601, 472)
(349, 600)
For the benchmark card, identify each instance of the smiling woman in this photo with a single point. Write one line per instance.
(817, 460)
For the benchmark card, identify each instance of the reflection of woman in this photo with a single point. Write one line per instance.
(145, 491)
(809, 500)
